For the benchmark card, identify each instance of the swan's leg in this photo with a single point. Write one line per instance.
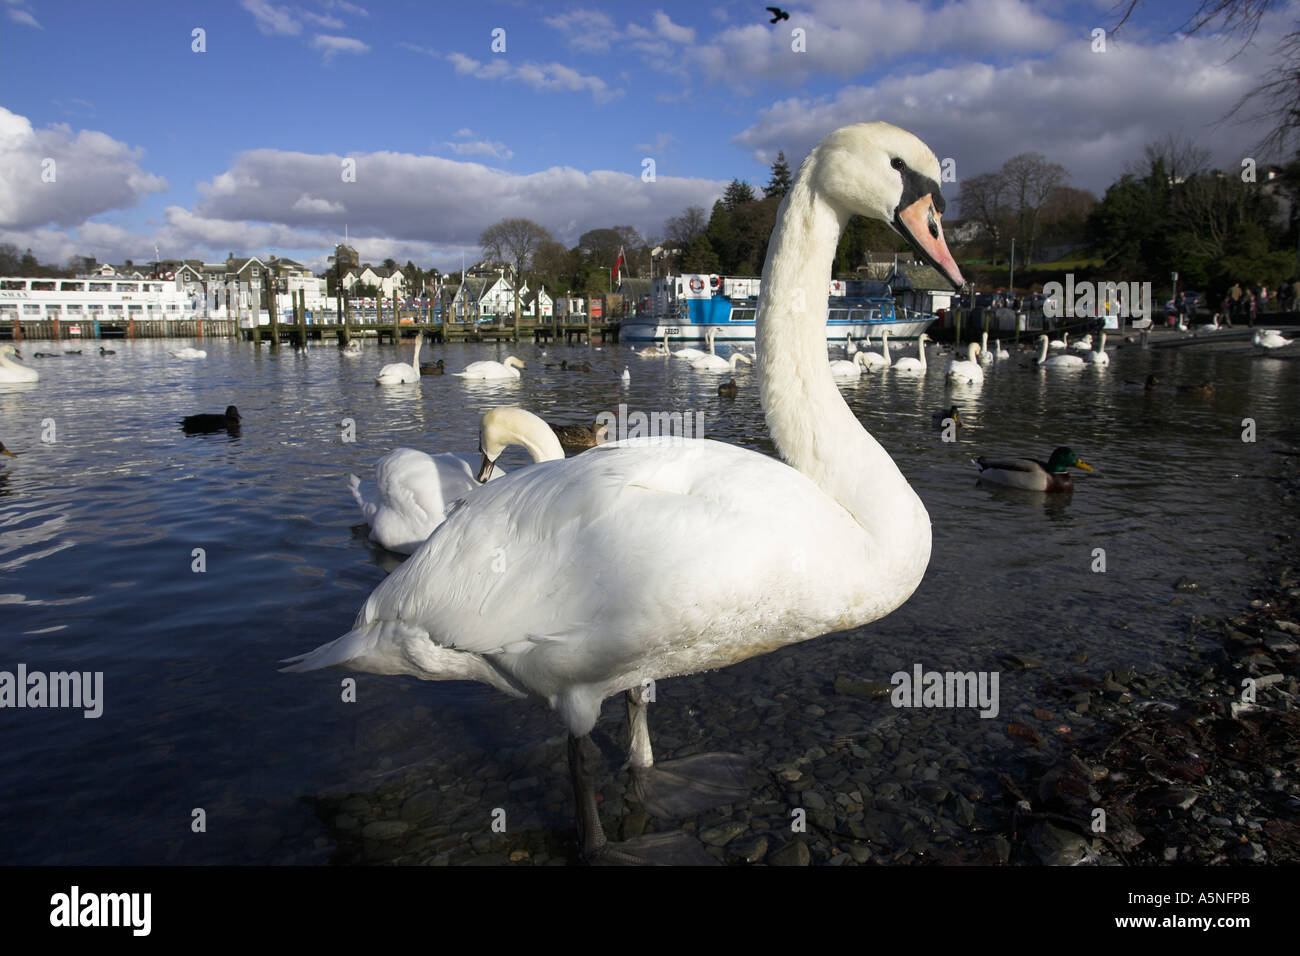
(682, 787)
(673, 848)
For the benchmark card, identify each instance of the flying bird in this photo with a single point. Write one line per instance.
(777, 14)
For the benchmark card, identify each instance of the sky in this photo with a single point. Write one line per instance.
(264, 127)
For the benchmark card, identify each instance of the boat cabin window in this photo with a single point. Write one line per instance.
(42, 286)
(101, 287)
(127, 287)
(72, 287)
(13, 284)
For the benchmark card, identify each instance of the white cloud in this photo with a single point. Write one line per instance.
(412, 198)
(1078, 108)
(323, 20)
(332, 45)
(19, 15)
(481, 147)
(93, 173)
(272, 20)
(547, 77)
(588, 30)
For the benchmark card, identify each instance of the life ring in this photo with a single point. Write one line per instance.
(697, 285)
(715, 283)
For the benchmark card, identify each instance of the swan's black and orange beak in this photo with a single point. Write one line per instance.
(919, 223)
(485, 466)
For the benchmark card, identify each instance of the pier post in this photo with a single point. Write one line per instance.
(275, 318)
(956, 342)
(302, 318)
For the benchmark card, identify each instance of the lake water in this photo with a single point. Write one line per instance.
(100, 524)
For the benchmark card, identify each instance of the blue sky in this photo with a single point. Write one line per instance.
(239, 148)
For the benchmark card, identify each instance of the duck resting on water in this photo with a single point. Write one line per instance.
(611, 574)
(206, 424)
(1029, 474)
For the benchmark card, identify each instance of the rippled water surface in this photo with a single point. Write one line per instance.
(99, 527)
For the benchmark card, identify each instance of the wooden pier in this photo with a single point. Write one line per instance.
(88, 330)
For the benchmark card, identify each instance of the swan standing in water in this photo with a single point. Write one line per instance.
(1056, 361)
(415, 489)
(10, 372)
(609, 575)
(967, 371)
(489, 370)
(400, 373)
(1100, 357)
(907, 364)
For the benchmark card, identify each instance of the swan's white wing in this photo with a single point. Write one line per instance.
(668, 567)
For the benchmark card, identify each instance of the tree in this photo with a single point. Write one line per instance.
(737, 193)
(30, 267)
(781, 180)
(983, 200)
(514, 241)
(681, 231)
(700, 257)
(1030, 179)
(10, 260)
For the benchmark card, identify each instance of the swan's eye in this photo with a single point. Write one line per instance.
(896, 163)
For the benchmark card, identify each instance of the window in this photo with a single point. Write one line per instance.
(127, 287)
(72, 287)
(38, 286)
(73, 308)
(101, 287)
(31, 309)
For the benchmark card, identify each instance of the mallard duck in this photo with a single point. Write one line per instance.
(1205, 388)
(208, 423)
(1031, 475)
(44, 355)
(104, 351)
(71, 352)
(432, 368)
(937, 418)
(728, 389)
(1149, 386)
(581, 436)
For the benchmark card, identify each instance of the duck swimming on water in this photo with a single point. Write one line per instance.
(206, 424)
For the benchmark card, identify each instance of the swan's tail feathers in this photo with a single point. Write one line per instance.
(360, 642)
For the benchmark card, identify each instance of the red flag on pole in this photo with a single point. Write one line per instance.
(617, 271)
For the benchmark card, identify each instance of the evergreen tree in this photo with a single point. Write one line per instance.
(781, 179)
(737, 194)
(700, 257)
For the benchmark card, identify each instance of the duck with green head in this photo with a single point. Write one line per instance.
(1032, 475)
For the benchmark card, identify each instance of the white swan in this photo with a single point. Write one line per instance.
(352, 349)
(1099, 357)
(509, 369)
(999, 352)
(1211, 326)
(604, 567)
(985, 357)
(1056, 361)
(850, 347)
(414, 489)
(850, 368)
(876, 361)
(10, 372)
(1060, 343)
(691, 354)
(907, 364)
(400, 373)
(654, 350)
(1270, 339)
(967, 371)
(1082, 345)
(626, 377)
(716, 363)
(188, 353)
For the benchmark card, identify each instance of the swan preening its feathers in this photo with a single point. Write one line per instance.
(607, 577)
(415, 489)
(12, 372)
(489, 370)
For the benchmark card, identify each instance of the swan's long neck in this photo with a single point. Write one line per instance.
(812, 427)
(884, 340)
(1042, 350)
(920, 350)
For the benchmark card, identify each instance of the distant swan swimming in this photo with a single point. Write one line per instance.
(489, 370)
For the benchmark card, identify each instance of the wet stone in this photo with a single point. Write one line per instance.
(382, 830)
(796, 854)
(747, 851)
(722, 834)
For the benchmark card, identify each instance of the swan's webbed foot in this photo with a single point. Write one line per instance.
(691, 785)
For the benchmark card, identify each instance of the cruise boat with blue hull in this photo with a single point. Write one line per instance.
(687, 307)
